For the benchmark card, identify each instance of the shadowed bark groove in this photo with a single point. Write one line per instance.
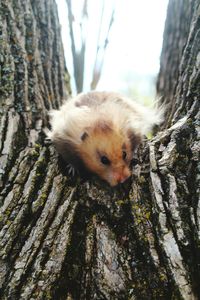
(65, 238)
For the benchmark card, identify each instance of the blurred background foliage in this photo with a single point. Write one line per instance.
(113, 45)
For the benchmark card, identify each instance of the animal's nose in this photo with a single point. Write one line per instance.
(121, 177)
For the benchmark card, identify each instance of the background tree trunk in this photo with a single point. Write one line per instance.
(69, 239)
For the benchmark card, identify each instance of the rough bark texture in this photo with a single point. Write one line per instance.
(179, 36)
(71, 239)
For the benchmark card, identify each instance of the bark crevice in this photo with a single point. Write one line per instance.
(68, 238)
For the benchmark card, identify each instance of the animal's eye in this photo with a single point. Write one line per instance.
(105, 160)
(124, 155)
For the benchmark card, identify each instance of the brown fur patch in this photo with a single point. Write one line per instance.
(84, 101)
(91, 99)
(103, 126)
(124, 146)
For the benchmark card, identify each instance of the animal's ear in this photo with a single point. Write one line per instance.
(86, 133)
(84, 136)
(135, 139)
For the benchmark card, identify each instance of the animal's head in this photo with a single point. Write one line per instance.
(102, 130)
(107, 151)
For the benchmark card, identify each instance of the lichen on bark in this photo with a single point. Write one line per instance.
(68, 238)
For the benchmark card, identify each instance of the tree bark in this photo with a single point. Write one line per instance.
(177, 39)
(66, 238)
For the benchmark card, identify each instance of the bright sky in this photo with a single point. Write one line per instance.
(135, 42)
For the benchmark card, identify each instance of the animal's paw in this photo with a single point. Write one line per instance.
(71, 170)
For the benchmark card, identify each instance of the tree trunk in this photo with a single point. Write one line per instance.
(64, 238)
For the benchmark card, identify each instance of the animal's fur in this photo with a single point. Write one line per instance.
(98, 124)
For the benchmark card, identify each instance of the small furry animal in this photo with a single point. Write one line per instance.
(99, 132)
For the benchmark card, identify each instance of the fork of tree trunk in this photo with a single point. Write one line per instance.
(65, 238)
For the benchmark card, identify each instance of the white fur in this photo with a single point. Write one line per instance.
(71, 121)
